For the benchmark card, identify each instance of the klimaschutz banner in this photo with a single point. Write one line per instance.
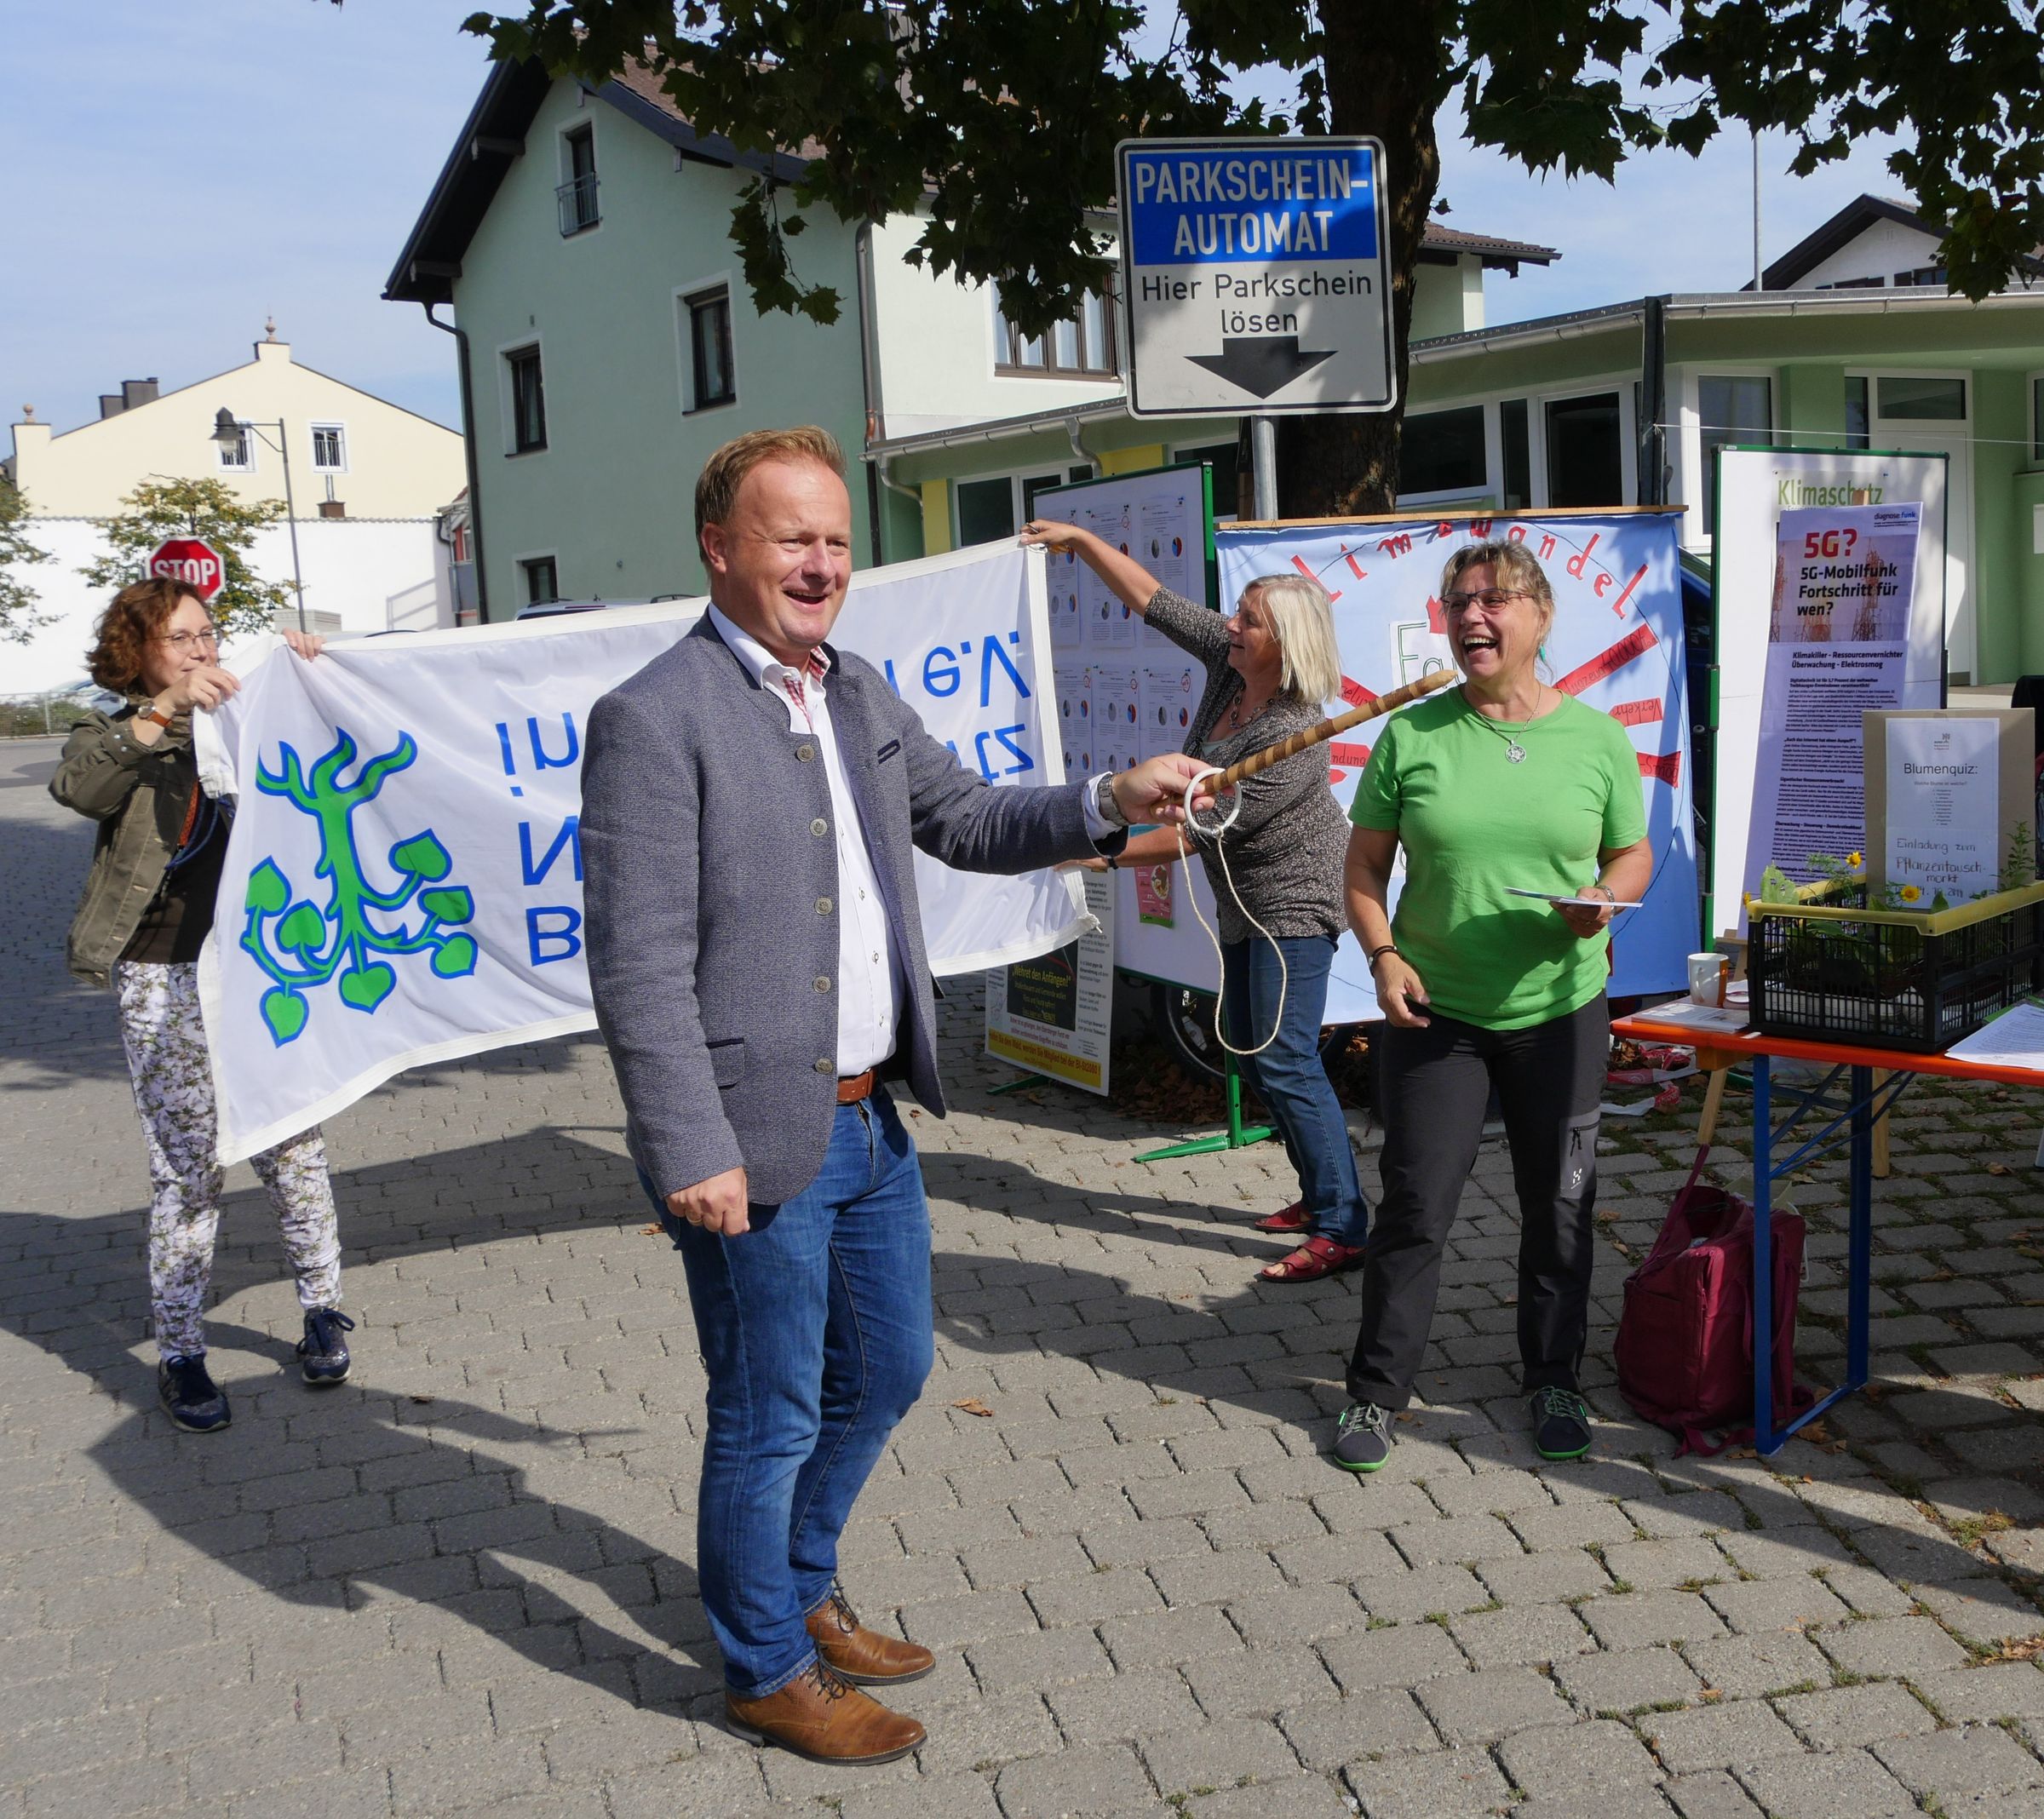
(1616, 645)
(404, 880)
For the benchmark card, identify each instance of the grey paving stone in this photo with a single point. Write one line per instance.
(1901, 1646)
(1851, 1715)
(1984, 1611)
(1216, 1756)
(962, 1795)
(1846, 1781)
(1711, 1794)
(1578, 1763)
(1974, 1759)
(1108, 1780)
(1140, 1703)
(1387, 1723)
(1308, 1797)
(1406, 1596)
(1295, 1614)
(2012, 1689)
(1636, 1620)
(1763, 1605)
(1867, 1593)
(1258, 1683)
(1450, 1540)
(1545, 1578)
(1448, 1781)
(1732, 1735)
(1038, 1658)
(1482, 1707)
(1522, 1636)
(1691, 1561)
(1635, 1681)
(1403, 1656)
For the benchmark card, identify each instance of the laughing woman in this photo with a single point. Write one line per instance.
(1271, 668)
(1503, 782)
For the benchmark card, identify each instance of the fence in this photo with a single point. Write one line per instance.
(32, 716)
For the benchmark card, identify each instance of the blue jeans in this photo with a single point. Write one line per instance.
(1288, 1076)
(815, 1328)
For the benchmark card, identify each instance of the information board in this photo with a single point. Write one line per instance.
(1054, 1015)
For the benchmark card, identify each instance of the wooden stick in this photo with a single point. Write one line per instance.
(1327, 729)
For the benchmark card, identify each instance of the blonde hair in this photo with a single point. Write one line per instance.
(724, 473)
(1515, 566)
(1303, 620)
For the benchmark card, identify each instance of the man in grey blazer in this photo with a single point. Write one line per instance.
(750, 803)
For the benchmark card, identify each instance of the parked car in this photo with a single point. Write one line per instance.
(554, 609)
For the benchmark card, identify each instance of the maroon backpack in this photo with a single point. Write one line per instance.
(1685, 1347)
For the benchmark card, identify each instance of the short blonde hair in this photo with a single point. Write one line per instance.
(724, 473)
(1302, 617)
(1515, 565)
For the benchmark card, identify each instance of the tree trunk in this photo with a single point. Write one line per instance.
(1387, 76)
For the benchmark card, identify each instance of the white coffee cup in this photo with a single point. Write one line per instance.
(1707, 978)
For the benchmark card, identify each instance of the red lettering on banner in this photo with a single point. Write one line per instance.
(1618, 604)
(1547, 547)
(1603, 581)
(1355, 694)
(1664, 766)
(1635, 643)
(1581, 560)
(1298, 562)
(1479, 528)
(1517, 534)
(1355, 567)
(1397, 545)
(1636, 713)
(1437, 619)
(1354, 756)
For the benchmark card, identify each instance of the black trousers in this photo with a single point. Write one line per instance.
(1435, 1085)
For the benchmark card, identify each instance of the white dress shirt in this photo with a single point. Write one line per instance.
(869, 982)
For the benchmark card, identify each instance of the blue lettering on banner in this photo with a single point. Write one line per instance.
(542, 759)
(569, 838)
(940, 679)
(560, 942)
(991, 649)
(1189, 207)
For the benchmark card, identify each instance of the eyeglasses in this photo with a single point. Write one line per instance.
(1483, 597)
(182, 642)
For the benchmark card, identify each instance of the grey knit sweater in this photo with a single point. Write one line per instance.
(1286, 849)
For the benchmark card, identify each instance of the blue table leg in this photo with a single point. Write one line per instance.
(1763, 1439)
(1859, 1250)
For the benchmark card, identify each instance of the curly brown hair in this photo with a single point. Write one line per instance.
(134, 619)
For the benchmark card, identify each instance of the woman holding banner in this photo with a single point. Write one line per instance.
(1269, 669)
(147, 909)
(1496, 790)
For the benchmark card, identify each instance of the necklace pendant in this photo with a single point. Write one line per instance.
(1515, 752)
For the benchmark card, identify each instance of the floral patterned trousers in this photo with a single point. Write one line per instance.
(165, 1038)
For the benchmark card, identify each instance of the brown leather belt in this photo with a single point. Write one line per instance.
(859, 1087)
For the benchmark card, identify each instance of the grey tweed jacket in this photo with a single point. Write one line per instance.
(710, 899)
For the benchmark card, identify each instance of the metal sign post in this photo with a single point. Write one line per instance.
(1256, 278)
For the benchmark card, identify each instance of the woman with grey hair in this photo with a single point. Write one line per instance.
(1271, 668)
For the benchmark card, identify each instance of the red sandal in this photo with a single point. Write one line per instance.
(1291, 1219)
(1315, 1258)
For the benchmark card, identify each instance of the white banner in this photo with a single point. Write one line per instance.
(404, 882)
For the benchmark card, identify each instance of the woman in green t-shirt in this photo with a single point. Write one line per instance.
(1504, 783)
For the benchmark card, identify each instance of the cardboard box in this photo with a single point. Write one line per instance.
(1951, 795)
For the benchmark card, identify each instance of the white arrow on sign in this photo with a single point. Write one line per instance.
(1255, 276)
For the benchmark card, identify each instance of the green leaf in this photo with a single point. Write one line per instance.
(422, 857)
(367, 987)
(269, 890)
(450, 903)
(285, 1012)
(303, 931)
(455, 957)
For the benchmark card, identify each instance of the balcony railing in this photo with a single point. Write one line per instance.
(577, 201)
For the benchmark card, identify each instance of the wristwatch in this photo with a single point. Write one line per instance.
(1104, 803)
(153, 714)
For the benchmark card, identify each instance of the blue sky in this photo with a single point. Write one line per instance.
(181, 172)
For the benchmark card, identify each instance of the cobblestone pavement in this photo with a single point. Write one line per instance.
(464, 1581)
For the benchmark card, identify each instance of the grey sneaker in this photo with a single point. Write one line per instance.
(1363, 1440)
(1561, 1423)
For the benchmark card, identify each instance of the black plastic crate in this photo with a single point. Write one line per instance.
(1831, 970)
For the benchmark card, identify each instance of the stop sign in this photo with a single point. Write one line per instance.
(187, 558)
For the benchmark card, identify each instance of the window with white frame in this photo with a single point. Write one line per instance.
(994, 509)
(542, 579)
(330, 448)
(528, 400)
(1081, 346)
(712, 372)
(577, 192)
(238, 457)
(1442, 451)
(1733, 409)
(1585, 454)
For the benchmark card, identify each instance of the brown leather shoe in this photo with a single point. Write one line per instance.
(861, 1656)
(817, 1715)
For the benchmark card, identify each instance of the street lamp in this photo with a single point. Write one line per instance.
(227, 432)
